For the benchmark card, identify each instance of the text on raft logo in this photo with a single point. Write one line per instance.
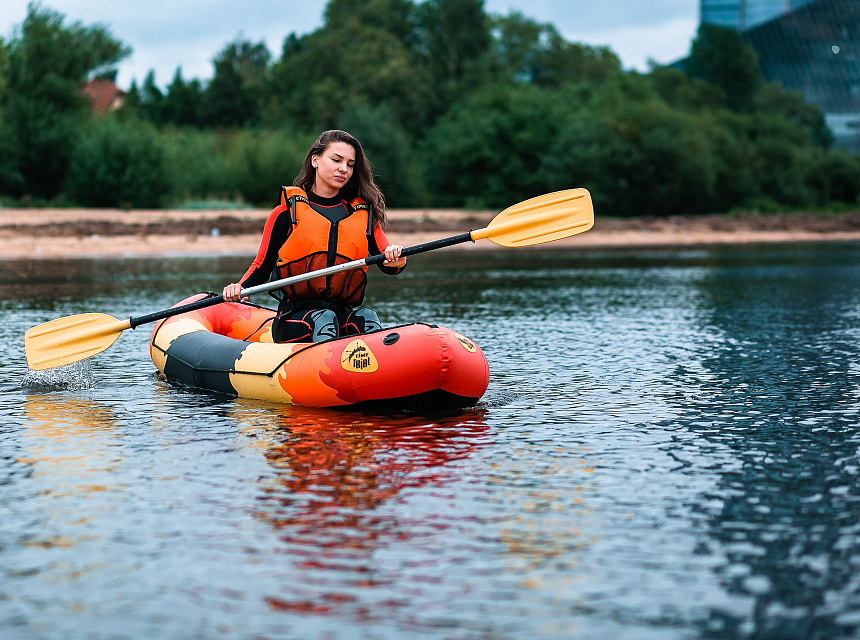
(358, 357)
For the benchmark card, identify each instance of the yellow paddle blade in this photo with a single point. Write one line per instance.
(67, 340)
(549, 217)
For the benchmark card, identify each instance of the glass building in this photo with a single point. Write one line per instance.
(745, 14)
(808, 46)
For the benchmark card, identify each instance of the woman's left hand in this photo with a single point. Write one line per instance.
(392, 256)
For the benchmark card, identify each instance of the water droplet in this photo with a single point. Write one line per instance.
(75, 376)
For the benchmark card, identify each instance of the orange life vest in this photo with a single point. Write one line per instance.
(317, 241)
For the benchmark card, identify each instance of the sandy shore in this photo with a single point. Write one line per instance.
(57, 233)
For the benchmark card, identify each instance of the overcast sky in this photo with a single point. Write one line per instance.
(166, 34)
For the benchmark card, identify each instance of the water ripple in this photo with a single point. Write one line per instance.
(668, 449)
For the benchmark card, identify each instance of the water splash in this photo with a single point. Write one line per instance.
(72, 377)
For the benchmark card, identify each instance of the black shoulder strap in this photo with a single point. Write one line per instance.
(291, 203)
(369, 209)
(293, 200)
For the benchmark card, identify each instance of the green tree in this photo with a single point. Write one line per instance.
(454, 107)
(361, 54)
(783, 160)
(392, 16)
(837, 177)
(721, 57)
(518, 42)
(46, 66)
(236, 93)
(773, 99)
(388, 147)
(453, 39)
(536, 53)
(183, 104)
(636, 154)
(150, 99)
(132, 102)
(487, 151)
(3, 70)
(9, 175)
(681, 90)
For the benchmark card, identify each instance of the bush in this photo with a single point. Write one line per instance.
(486, 152)
(258, 162)
(118, 164)
(637, 157)
(195, 159)
(242, 166)
(837, 178)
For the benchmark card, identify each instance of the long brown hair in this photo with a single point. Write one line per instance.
(360, 185)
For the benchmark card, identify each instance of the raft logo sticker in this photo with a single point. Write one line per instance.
(358, 357)
(468, 345)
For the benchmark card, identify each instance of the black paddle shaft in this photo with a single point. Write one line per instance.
(218, 298)
(422, 248)
(209, 301)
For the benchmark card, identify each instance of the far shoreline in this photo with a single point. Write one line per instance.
(105, 233)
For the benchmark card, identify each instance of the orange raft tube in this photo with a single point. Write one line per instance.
(227, 348)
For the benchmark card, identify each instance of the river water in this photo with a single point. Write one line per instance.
(668, 449)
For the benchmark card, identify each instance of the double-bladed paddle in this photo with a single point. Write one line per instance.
(549, 217)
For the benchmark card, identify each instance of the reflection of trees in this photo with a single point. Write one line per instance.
(781, 401)
(333, 476)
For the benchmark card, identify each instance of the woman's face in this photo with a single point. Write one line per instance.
(334, 168)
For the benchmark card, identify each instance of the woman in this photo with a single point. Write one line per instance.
(333, 214)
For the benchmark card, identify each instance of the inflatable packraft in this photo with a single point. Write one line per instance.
(228, 348)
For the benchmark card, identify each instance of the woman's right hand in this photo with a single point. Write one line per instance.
(231, 292)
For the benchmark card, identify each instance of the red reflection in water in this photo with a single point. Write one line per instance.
(335, 474)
